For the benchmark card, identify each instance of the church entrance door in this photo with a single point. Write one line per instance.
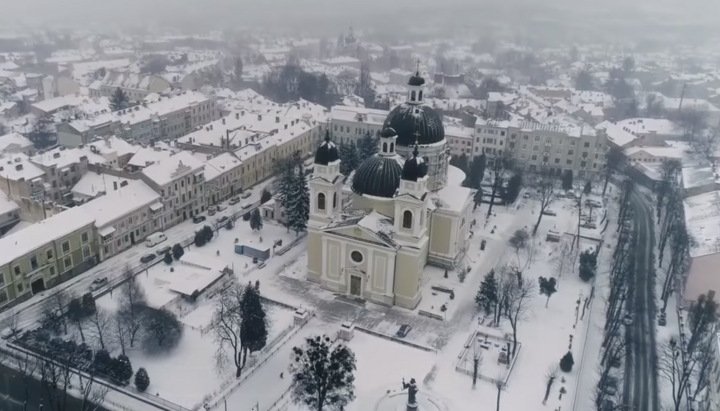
(355, 285)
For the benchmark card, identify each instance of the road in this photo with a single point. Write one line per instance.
(641, 388)
(28, 312)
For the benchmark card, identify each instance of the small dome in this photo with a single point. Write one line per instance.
(411, 119)
(327, 152)
(388, 133)
(377, 176)
(414, 168)
(416, 80)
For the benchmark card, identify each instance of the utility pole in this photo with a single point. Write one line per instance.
(682, 96)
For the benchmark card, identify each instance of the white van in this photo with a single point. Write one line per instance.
(154, 239)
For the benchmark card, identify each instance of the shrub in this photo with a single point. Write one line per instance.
(168, 258)
(208, 233)
(246, 217)
(200, 239)
(178, 251)
(567, 362)
(102, 362)
(88, 304)
(142, 380)
(588, 265)
(121, 369)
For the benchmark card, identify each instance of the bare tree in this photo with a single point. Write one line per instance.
(119, 332)
(54, 309)
(706, 145)
(499, 172)
(11, 321)
(550, 378)
(693, 123)
(93, 395)
(525, 251)
(226, 327)
(101, 322)
(519, 303)
(669, 171)
(547, 186)
(505, 285)
(132, 305)
(579, 192)
(26, 366)
(500, 386)
(563, 258)
(477, 361)
(674, 370)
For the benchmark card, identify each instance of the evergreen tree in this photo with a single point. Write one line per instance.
(254, 327)
(548, 287)
(487, 295)
(42, 133)
(286, 170)
(299, 210)
(121, 369)
(322, 374)
(207, 232)
(265, 196)
(477, 199)
(476, 172)
(364, 87)
(567, 362)
(349, 158)
(162, 328)
(238, 72)
(200, 239)
(367, 145)
(88, 304)
(168, 258)
(584, 81)
(512, 191)
(588, 187)
(177, 251)
(119, 100)
(102, 362)
(142, 380)
(567, 180)
(256, 222)
(460, 162)
(76, 315)
(588, 265)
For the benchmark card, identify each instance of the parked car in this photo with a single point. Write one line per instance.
(628, 319)
(549, 212)
(222, 219)
(155, 239)
(403, 331)
(147, 258)
(211, 210)
(246, 194)
(162, 251)
(221, 207)
(663, 320)
(234, 200)
(526, 195)
(246, 205)
(589, 225)
(199, 218)
(98, 283)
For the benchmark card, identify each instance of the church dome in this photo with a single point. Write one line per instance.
(378, 176)
(327, 152)
(388, 133)
(411, 119)
(414, 168)
(416, 80)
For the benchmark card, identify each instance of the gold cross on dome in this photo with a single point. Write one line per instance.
(417, 136)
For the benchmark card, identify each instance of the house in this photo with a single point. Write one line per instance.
(135, 86)
(15, 143)
(223, 178)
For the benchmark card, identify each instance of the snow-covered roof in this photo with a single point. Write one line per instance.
(660, 126)
(42, 233)
(125, 200)
(355, 114)
(61, 157)
(129, 80)
(617, 134)
(148, 156)
(221, 164)
(6, 204)
(88, 105)
(658, 153)
(452, 198)
(112, 145)
(172, 168)
(93, 184)
(14, 143)
(17, 166)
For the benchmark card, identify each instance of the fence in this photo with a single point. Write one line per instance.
(280, 403)
(291, 244)
(397, 340)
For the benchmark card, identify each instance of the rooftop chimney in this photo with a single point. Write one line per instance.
(277, 119)
(19, 167)
(56, 155)
(237, 116)
(115, 185)
(259, 117)
(223, 121)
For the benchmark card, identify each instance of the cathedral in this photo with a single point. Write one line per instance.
(407, 210)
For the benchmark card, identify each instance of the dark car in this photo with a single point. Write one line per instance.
(403, 331)
(222, 219)
(199, 219)
(147, 258)
(549, 212)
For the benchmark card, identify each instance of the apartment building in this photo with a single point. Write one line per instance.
(124, 217)
(460, 139)
(180, 180)
(136, 86)
(9, 213)
(223, 178)
(168, 118)
(536, 146)
(349, 124)
(46, 254)
(62, 168)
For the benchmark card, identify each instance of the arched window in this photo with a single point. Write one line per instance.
(392, 147)
(420, 96)
(384, 147)
(321, 201)
(334, 200)
(412, 95)
(407, 219)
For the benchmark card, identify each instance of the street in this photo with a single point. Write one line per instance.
(641, 389)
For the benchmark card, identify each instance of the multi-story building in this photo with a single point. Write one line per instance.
(9, 213)
(460, 139)
(46, 254)
(712, 397)
(180, 180)
(536, 146)
(14, 143)
(136, 86)
(166, 119)
(124, 217)
(62, 169)
(349, 124)
(223, 178)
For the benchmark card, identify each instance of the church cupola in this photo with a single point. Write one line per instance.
(414, 175)
(388, 140)
(415, 87)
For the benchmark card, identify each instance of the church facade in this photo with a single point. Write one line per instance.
(404, 212)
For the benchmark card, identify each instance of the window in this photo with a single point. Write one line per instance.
(557, 161)
(84, 237)
(86, 252)
(536, 148)
(3, 297)
(568, 162)
(2, 279)
(537, 138)
(16, 269)
(356, 256)
(584, 154)
(525, 137)
(420, 95)
(570, 152)
(586, 145)
(321, 201)
(407, 219)
(384, 148)
(334, 200)
(392, 147)
(412, 95)
(52, 270)
(66, 247)
(583, 163)
(33, 263)
(534, 157)
(20, 288)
